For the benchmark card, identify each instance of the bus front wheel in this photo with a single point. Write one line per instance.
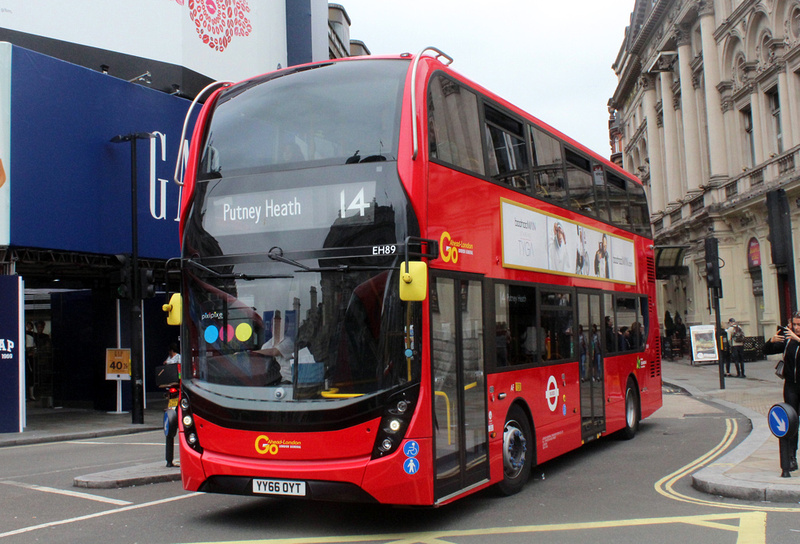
(518, 452)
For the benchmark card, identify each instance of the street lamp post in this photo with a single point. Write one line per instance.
(137, 375)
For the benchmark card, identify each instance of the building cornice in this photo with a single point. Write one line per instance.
(635, 53)
(741, 11)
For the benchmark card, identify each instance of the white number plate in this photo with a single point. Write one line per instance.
(279, 487)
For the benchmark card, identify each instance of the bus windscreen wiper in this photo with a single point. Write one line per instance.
(237, 275)
(276, 254)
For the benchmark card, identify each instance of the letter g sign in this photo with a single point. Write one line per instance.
(448, 252)
(263, 445)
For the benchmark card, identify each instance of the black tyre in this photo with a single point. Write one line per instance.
(519, 450)
(633, 411)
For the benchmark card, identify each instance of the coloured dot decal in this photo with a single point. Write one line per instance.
(226, 333)
(243, 332)
(211, 334)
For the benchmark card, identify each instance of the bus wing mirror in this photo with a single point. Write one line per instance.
(174, 309)
(413, 281)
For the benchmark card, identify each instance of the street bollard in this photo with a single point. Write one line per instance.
(170, 429)
(783, 423)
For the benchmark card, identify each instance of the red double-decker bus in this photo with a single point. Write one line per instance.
(398, 287)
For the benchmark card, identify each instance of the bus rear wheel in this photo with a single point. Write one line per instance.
(518, 452)
(632, 411)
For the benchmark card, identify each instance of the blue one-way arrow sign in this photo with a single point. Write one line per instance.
(782, 420)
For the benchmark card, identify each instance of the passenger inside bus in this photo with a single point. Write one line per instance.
(280, 349)
(357, 357)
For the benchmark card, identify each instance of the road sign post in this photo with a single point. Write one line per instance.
(783, 424)
(118, 367)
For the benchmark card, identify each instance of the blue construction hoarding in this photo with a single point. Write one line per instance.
(68, 187)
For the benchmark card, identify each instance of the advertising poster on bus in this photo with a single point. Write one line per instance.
(536, 241)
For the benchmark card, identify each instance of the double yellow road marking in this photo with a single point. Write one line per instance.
(665, 486)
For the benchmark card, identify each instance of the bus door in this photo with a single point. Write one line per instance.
(590, 357)
(459, 399)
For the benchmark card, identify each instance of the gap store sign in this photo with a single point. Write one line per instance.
(12, 342)
(63, 184)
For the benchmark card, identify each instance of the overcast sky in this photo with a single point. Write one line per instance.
(552, 59)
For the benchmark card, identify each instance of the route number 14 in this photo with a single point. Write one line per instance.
(357, 204)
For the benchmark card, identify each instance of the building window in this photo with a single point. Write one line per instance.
(795, 23)
(749, 141)
(697, 204)
(775, 110)
(732, 189)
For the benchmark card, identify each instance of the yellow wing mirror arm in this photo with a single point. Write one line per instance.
(414, 274)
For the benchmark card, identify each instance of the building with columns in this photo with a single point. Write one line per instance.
(707, 113)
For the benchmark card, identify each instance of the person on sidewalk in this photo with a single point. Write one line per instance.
(787, 341)
(173, 356)
(736, 342)
(680, 334)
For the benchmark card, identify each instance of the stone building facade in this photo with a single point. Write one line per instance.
(707, 113)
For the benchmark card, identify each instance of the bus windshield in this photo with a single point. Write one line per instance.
(336, 113)
(320, 335)
(290, 283)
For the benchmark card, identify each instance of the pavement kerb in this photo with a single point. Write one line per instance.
(150, 473)
(24, 440)
(713, 479)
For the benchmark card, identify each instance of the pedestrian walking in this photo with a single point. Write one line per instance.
(787, 341)
(736, 342)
